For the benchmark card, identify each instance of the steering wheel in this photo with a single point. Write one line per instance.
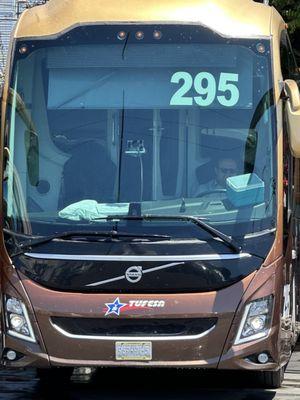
(207, 192)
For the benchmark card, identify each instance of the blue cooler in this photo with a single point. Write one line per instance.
(245, 190)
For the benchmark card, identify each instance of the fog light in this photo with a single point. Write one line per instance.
(11, 355)
(263, 358)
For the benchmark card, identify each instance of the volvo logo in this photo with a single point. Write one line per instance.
(134, 274)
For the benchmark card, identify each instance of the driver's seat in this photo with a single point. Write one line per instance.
(205, 173)
(89, 174)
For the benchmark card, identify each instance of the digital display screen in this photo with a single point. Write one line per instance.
(151, 76)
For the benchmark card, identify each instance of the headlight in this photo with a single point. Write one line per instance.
(256, 321)
(17, 319)
(13, 305)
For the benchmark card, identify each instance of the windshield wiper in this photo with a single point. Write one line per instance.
(231, 243)
(35, 241)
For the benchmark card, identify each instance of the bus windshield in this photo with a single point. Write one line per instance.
(162, 120)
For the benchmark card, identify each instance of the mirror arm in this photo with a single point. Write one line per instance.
(292, 92)
(283, 96)
(21, 110)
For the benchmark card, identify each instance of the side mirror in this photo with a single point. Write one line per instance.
(31, 137)
(32, 155)
(293, 115)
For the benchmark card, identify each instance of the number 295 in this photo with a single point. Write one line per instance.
(225, 91)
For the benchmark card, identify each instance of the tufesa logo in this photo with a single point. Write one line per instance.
(117, 306)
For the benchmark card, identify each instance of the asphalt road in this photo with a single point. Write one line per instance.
(125, 384)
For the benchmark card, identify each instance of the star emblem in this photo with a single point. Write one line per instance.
(115, 307)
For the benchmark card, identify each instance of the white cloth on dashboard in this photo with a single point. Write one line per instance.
(90, 209)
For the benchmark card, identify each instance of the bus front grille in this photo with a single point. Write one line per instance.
(134, 327)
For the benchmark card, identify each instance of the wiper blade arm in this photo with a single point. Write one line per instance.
(35, 241)
(231, 243)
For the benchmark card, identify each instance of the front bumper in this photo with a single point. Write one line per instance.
(58, 347)
(33, 357)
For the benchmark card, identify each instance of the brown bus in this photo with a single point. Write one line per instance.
(148, 153)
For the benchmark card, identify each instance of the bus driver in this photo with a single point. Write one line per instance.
(225, 168)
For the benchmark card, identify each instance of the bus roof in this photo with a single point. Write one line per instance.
(232, 18)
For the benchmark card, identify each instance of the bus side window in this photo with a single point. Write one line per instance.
(289, 65)
(289, 70)
(288, 184)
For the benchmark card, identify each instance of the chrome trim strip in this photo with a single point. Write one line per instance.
(161, 267)
(242, 324)
(261, 233)
(27, 319)
(132, 338)
(120, 277)
(141, 258)
(20, 336)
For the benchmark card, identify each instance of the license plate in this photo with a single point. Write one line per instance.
(134, 351)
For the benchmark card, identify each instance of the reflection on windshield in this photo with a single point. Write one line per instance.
(176, 125)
